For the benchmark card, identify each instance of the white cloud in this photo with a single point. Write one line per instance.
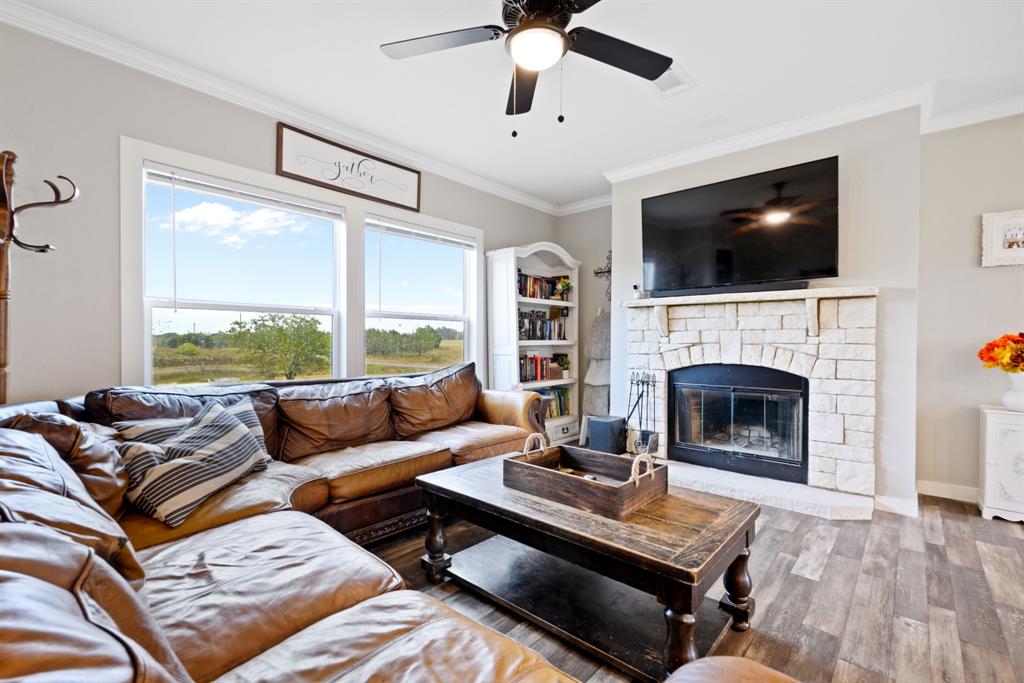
(232, 241)
(235, 228)
(210, 218)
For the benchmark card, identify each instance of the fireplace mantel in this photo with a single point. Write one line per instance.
(787, 295)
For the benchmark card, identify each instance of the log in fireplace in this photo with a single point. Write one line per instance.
(740, 418)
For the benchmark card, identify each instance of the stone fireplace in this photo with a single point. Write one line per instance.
(771, 384)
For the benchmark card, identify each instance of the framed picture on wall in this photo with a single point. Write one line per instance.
(312, 159)
(1002, 238)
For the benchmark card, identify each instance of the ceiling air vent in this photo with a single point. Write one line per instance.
(674, 82)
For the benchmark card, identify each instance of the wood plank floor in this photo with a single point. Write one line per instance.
(937, 599)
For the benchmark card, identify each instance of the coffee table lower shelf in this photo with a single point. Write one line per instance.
(620, 625)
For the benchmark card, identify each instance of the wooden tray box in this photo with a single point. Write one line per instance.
(558, 474)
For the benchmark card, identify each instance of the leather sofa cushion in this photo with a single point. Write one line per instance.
(65, 615)
(473, 440)
(317, 418)
(38, 487)
(732, 669)
(9, 410)
(279, 487)
(435, 400)
(142, 403)
(399, 637)
(94, 459)
(229, 593)
(374, 467)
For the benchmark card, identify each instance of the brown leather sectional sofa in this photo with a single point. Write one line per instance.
(369, 438)
(251, 587)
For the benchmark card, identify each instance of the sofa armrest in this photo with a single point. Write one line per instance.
(727, 669)
(280, 487)
(516, 408)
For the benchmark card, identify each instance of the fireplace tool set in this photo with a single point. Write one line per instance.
(645, 444)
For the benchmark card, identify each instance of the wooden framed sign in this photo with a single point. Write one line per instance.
(318, 161)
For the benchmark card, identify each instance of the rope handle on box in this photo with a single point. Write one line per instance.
(635, 474)
(544, 443)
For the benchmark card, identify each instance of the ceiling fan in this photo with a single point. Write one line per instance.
(536, 38)
(775, 211)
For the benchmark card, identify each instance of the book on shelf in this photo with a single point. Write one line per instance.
(559, 401)
(541, 368)
(534, 287)
(542, 325)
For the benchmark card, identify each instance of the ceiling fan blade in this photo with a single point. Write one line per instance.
(577, 6)
(618, 53)
(522, 88)
(741, 212)
(441, 41)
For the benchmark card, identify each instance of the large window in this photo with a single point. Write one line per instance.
(239, 284)
(418, 293)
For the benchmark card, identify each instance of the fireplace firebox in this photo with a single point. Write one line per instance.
(740, 418)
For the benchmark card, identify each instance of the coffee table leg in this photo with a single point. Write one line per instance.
(435, 562)
(681, 617)
(737, 601)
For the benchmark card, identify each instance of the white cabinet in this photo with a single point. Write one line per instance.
(506, 304)
(1001, 493)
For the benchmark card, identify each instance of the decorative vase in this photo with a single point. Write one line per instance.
(1014, 398)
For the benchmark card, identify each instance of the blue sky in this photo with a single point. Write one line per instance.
(246, 253)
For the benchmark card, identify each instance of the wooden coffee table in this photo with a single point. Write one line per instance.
(589, 579)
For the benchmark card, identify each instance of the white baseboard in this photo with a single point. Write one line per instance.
(901, 506)
(940, 489)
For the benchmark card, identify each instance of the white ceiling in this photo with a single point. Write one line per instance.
(756, 65)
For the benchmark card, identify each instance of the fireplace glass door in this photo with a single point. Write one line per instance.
(739, 418)
(759, 424)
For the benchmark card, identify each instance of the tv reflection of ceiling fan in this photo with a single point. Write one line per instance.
(778, 210)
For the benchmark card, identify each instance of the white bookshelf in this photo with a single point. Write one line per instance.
(541, 259)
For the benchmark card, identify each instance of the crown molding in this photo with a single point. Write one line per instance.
(968, 117)
(584, 205)
(61, 30)
(914, 97)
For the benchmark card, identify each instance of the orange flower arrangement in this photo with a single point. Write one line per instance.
(1005, 353)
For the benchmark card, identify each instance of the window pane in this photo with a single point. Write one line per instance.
(197, 346)
(401, 346)
(234, 251)
(409, 275)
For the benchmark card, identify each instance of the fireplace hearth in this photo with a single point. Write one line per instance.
(739, 418)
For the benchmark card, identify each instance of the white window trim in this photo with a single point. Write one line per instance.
(349, 251)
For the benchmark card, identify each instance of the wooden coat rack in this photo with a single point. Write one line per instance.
(8, 237)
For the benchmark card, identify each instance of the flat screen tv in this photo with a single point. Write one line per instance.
(772, 227)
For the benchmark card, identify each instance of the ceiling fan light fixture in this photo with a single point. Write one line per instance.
(777, 216)
(537, 46)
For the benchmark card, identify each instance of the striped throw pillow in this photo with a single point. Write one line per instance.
(169, 480)
(158, 430)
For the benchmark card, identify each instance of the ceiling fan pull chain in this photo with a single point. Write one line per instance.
(561, 91)
(515, 99)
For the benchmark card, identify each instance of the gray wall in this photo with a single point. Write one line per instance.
(879, 198)
(965, 172)
(587, 236)
(63, 111)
